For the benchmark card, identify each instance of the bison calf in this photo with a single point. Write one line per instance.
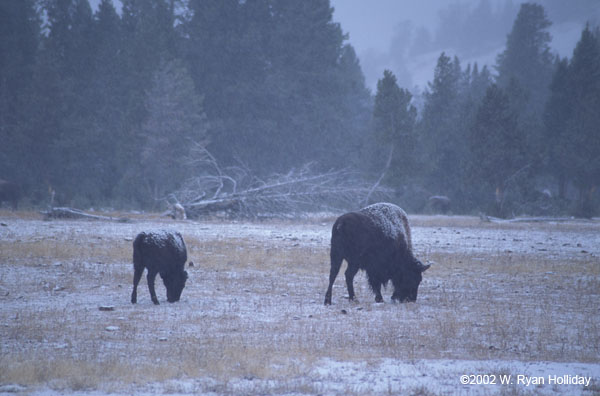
(163, 253)
(376, 239)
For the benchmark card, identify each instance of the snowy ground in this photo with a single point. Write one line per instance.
(518, 300)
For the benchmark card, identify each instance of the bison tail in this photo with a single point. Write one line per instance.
(137, 251)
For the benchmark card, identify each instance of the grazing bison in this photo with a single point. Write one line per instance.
(376, 239)
(163, 253)
(10, 192)
(439, 203)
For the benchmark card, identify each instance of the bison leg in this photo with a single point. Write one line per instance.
(336, 263)
(375, 286)
(397, 296)
(350, 273)
(137, 275)
(378, 297)
(150, 278)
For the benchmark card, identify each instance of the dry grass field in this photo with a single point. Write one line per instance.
(500, 299)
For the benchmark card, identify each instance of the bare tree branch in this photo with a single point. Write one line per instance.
(378, 182)
(239, 193)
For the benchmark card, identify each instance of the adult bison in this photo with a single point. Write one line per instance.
(376, 239)
(164, 253)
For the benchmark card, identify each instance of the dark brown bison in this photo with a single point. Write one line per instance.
(10, 192)
(376, 239)
(164, 253)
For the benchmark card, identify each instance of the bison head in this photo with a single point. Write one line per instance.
(174, 282)
(411, 278)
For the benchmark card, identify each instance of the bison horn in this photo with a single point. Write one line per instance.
(423, 267)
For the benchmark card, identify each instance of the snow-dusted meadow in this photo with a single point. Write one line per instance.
(518, 300)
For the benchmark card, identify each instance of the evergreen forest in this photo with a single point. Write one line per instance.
(109, 108)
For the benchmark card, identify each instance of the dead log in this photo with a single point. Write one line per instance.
(228, 208)
(490, 219)
(63, 213)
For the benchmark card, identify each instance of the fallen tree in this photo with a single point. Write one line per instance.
(63, 213)
(237, 192)
(544, 219)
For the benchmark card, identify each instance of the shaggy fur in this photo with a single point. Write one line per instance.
(391, 219)
(161, 253)
(366, 244)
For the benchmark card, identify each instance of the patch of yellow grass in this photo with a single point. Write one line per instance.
(45, 250)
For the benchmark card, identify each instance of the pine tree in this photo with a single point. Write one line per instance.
(468, 195)
(235, 96)
(305, 50)
(347, 107)
(70, 46)
(281, 87)
(60, 99)
(148, 39)
(557, 113)
(441, 136)
(19, 42)
(352, 111)
(525, 71)
(394, 119)
(496, 145)
(212, 49)
(110, 97)
(572, 122)
(583, 140)
(527, 57)
(175, 122)
(479, 82)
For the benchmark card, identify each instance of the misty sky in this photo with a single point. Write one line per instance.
(371, 26)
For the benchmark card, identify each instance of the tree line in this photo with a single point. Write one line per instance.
(523, 140)
(104, 107)
(107, 108)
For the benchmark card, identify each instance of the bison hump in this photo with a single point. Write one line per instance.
(164, 238)
(388, 218)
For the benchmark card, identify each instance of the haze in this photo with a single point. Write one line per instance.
(377, 28)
